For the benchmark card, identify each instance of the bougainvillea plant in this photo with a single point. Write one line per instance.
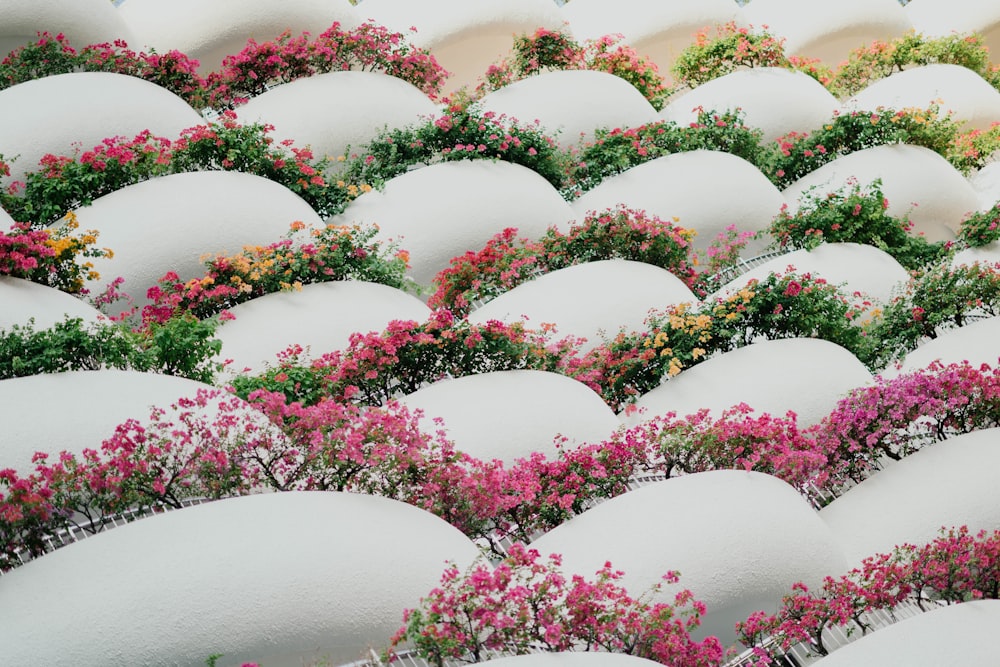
(547, 50)
(302, 258)
(957, 566)
(526, 604)
(368, 47)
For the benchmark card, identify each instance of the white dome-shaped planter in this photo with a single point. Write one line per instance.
(955, 89)
(171, 223)
(208, 32)
(508, 415)
(853, 267)
(917, 182)
(37, 119)
(592, 300)
(941, 18)
(710, 527)
(805, 375)
(763, 95)
(947, 484)
(321, 317)
(83, 22)
(572, 104)
(311, 111)
(442, 211)
(961, 634)
(975, 342)
(686, 186)
(986, 183)
(22, 300)
(818, 29)
(987, 254)
(277, 578)
(90, 405)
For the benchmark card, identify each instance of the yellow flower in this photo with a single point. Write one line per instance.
(697, 353)
(667, 351)
(674, 367)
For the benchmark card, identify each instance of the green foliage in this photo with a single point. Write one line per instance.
(463, 132)
(881, 59)
(617, 150)
(547, 50)
(938, 298)
(981, 228)
(795, 155)
(182, 346)
(732, 48)
(69, 345)
(855, 214)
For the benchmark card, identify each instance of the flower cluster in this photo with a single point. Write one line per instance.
(853, 214)
(507, 261)
(327, 254)
(213, 445)
(893, 418)
(525, 605)
(956, 567)
(50, 55)
(461, 132)
(981, 228)
(793, 305)
(546, 50)
(731, 48)
(797, 154)
(51, 256)
(370, 46)
(376, 367)
(63, 183)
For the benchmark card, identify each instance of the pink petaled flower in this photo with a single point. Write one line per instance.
(793, 288)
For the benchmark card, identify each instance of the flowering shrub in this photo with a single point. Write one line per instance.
(211, 446)
(880, 59)
(331, 253)
(937, 298)
(462, 132)
(956, 567)
(369, 47)
(64, 183)
(506, 261)
(526, 605)
(853, 214)
(214, 446)
(379, 366)
(797, 154)
(981, 228)
(50, 55)
(732, 48)
(779, 306)
(617, 150)
(51, 256)
(893, 418)
(556, 50)
(974, 149)
(180, 345)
